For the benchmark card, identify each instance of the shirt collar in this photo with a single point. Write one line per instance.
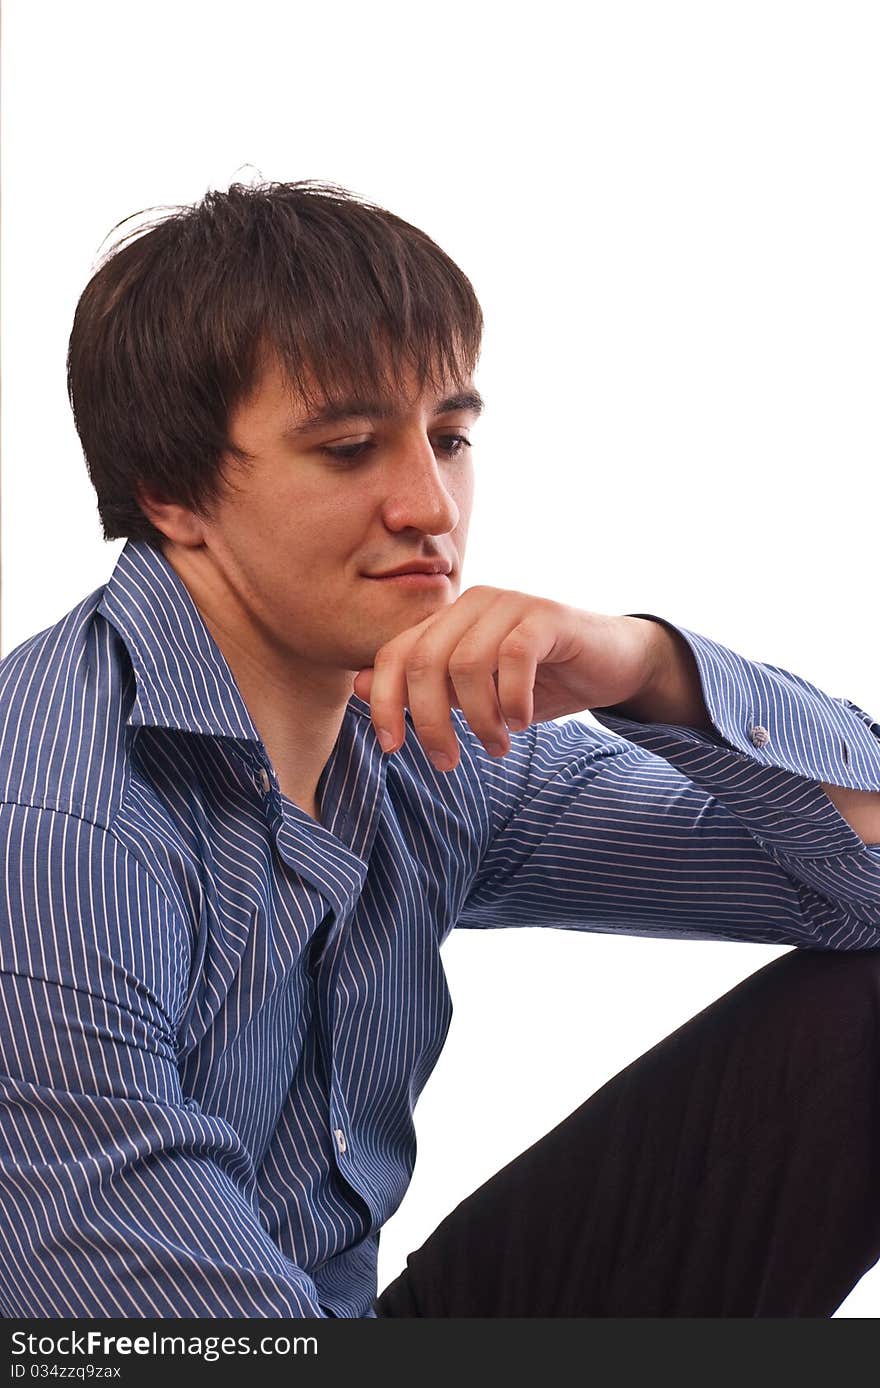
(183, 682)
(182, 678)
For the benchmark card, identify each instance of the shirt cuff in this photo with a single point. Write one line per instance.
(775, 737)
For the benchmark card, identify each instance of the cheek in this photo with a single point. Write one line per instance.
(313, 517)
(462, 493)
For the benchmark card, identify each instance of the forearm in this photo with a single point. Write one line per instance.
(672, 694)
(860, 809)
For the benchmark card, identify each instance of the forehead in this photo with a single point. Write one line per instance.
(306, 407)
(390, 385)
(337, 411)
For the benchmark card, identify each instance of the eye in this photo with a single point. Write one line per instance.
(450, 444)
(454, 444)
(348, 452)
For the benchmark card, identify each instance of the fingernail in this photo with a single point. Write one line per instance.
(386, 741)
(495, 749)
(516, 725)
(441, 760)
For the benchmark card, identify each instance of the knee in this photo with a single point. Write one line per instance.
(838, 993)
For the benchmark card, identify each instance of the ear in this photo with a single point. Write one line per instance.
(176, 522)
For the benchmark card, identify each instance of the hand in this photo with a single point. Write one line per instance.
(506, 659)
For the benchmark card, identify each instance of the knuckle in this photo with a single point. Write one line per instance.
(517, 644)
(419, 662)
(385, 658)
(433, 730)
(466, 663)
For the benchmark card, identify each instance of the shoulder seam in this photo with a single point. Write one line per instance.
(53, 809)
(110, 831)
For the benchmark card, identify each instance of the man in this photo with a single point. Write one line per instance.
(253, 782)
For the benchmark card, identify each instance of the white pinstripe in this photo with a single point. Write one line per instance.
(174, 1062)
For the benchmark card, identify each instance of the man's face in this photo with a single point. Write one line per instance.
(327, 506)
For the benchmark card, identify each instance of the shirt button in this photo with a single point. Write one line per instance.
(264, 780)
(340, 1140)
(759, 736)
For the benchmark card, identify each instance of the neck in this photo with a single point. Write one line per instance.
(299, 728)
(296, 708)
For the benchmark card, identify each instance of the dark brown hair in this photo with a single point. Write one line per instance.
(174, 328)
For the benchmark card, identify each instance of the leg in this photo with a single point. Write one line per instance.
(732, 1170)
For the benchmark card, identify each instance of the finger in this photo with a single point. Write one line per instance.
(387, 688)
(471, 665)
(430, 697)
(388, 697)
(430, 691)
(363, 683)
(477, 697)
(519, 656)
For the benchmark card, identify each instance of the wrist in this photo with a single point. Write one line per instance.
(656, 653)
(670, 690)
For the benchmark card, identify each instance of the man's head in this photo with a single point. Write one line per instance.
(200, 353)
(178, 322)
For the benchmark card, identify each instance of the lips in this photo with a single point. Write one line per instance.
(439, 567)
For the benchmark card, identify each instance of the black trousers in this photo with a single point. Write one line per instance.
(732, 1170)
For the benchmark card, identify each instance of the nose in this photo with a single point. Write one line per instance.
(417, 497)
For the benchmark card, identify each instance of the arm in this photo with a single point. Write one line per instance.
(688, 828)
(674, 695)
(119, 1196)
(720, 830)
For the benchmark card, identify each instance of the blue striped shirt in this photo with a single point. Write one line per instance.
(217, 1014)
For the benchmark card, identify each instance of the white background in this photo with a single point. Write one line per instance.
(670, 215)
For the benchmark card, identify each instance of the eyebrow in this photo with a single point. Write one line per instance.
(338, 411)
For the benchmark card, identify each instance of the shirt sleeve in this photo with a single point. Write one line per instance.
(658, 830)
(119, 1196)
